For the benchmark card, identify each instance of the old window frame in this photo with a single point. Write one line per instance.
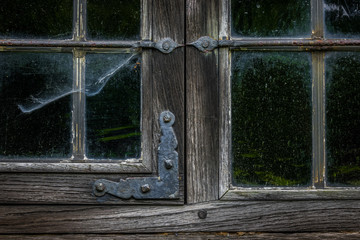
(65, 182)
(79, 46)
(317, 45)
(36, 218)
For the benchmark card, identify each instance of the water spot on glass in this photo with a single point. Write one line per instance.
(271, 133)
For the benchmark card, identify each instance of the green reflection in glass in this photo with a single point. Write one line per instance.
(34, 120)
(113, 106)
(113, 19)
(268, 18)
(36, 19)
(271, 119)
(343, 118)
(342, 18)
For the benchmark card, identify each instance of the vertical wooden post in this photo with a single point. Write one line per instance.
(202, 103)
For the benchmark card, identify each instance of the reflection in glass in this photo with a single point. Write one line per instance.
(113, 106)
(343, 118)
(268, 18)
(271, 119)
(342, 18)
(34, 120)
(36, 19)
(113, 19)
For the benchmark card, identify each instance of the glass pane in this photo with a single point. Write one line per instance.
(343, 118)
(35, 121)
(268, 18)
(113, 106)
(342, 18)
(113, 19)
(271, 119)
(36, 19)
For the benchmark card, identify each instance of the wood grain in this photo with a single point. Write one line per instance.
(295, 194)
(264, 216)
(202, 107)
(26, 188)
(194, 236)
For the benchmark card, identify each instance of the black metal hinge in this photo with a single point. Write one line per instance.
(167, 45)
(163, 186)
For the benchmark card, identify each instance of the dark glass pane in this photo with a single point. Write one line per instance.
(35, 113)
(343, 118)
(271, 119)
(342, 18)
(268, 18)
(36, 19)
(113, 106)
(113, 19)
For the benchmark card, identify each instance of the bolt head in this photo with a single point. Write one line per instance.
(205, 44)
(166, 46)
(100, 187)
(145, 188)
(168, 164)
(202, 214)
(167, 118)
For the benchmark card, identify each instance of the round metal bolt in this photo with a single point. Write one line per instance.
(205, 44)
(166, 46)
(100, 187)
(168, 164)
(167, 118)
(145, 188)
(202, 214)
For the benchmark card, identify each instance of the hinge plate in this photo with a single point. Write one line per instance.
(163, 186)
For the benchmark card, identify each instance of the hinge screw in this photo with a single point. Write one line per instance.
(100, 187)
(168, 164)
(205, 44)
(167, 118)
(166, 46)
(202, 214)
(145, 188)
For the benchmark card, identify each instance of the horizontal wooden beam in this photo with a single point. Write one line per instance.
(242, 216)
(197, 236)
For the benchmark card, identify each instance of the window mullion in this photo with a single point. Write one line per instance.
(317, 19)
(78, 106)
(318, 100)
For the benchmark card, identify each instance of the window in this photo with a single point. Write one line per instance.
(81, 95)
(71, 103)
(194, 83)
(293, 97)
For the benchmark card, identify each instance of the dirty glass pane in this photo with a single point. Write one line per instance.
(113, 19)
(113, 106)
(343, 118)
(271, 119)
(268, 18)
(342, 18)
(35, 113)
(36, 19)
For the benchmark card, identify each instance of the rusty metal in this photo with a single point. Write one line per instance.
(202, 214)
(204, 44)
(163, 186)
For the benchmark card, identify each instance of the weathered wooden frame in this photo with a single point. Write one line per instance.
(60, 207)
(59, 181)
(318, 188)
(147, 162)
